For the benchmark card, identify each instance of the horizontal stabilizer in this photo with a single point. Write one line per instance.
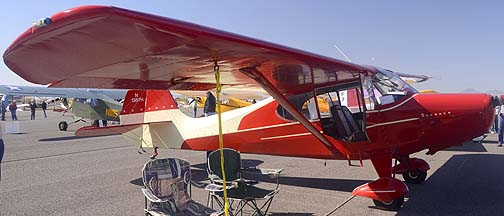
(162, 135)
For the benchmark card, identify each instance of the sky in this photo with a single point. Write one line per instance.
(457, 43)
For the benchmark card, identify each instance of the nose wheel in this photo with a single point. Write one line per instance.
(392, 205)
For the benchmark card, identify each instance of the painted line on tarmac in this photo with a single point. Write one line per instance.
(63, 154)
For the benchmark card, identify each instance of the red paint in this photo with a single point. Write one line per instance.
(379, 189)
(141, 101)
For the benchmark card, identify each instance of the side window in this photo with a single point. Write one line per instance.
(302, 103)
(324, 102)
(344, 117)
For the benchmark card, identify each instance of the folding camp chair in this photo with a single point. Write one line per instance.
(242, 191)
(166, 184)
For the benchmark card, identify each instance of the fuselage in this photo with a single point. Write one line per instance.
(411, 124)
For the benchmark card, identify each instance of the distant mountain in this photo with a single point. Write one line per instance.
(495, 92)
(470, 90)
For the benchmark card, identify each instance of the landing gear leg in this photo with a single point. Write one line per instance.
(413, 170)
(387, 192)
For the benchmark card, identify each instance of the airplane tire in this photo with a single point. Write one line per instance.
(393, 205)
(63, 126)
(415, 177)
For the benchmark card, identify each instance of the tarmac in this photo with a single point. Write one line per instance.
(49, 172)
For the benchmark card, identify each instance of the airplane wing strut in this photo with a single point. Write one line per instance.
(270, 88)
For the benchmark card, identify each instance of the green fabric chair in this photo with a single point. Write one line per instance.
(242, 194)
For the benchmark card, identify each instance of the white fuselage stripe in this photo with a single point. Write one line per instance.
(286, 136)
(392, 107)
(269, 126)
(384, 191)
(392, 122)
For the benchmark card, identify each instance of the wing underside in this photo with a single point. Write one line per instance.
(108, 47)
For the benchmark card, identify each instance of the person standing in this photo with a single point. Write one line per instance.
(32, 109)
(495, 125)
(12, 109)
(501, 126)
(44, 107)
(209, 108)
(4, 109)
(2, 149)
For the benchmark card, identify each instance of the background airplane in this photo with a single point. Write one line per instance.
(95, 104)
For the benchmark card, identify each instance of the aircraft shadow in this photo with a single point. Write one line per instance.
(468, 147)
(245, 163)
(491, 141)
(290, 214)
(137, 182)
(465, 185)
(347, 185)
(199, 174)
(65, 138)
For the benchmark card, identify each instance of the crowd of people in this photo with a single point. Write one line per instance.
(12, 108)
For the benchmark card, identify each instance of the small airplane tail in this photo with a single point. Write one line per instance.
(147, 106)
(147, 119)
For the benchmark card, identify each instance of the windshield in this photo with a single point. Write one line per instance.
(389, 83)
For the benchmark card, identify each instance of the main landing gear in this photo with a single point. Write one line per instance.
(63, 125)
(393, 205)
(413, 170)
(387, 192)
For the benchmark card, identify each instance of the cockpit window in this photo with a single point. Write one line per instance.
(388, 83)
(388, 87)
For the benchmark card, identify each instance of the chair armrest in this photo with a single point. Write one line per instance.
(200, 185)
(260, 171)
(151, 197)
(216, 187)
(217, 213)
(210, 186)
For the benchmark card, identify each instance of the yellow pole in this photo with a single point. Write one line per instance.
(221, 142)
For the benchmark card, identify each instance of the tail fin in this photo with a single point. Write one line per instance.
(147, 106)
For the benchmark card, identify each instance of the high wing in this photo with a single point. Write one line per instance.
(108, 47)
(226, 94)
(15, 90)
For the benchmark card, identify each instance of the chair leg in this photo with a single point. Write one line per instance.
(239, 208)
(267, 204)
(208, 201)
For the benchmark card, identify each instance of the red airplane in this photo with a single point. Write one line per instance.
(373, 113)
